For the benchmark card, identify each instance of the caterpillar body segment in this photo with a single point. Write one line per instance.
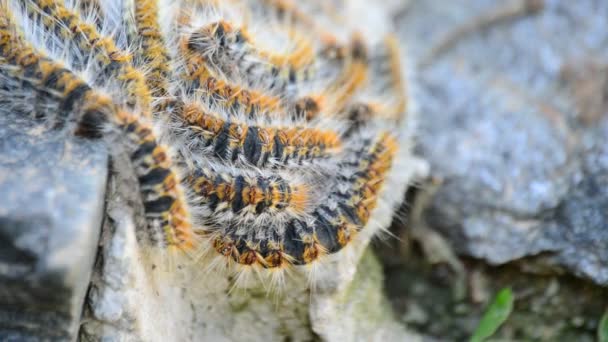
(50, 78)
(288, 13)
(86, 6)
(90, 10)
(221, 93)
(165, 204)
(152, 51)
(267, 55)
(164, 200)
(222, 52)
(375, 87)
(111, 62)
(327, 228)
(308, 107)
(299, 55)
(346, 75)
(257, 145)
(353, 76)
(233, 98)
(387, 90)
(228, 195)
(229, 51)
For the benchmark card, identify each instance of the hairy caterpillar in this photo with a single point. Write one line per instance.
(267, 156)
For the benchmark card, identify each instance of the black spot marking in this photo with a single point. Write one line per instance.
(73, 96)
(91, 124)
(237, 202)
(50, 81)
(293, 244)
(263, 185)
(154, 177)
(221, 141)
(326, 231)
(143, 150)
(349, 212)
(252, 147)
(159, 205)
(359, 51)
(278, 147)
(214, 200)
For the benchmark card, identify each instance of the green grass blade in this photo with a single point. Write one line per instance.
(496, 314)
(602, 329)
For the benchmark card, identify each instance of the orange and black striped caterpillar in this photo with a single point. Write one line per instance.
(254, 131)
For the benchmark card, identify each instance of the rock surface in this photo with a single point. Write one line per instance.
(51, 209)
(514, 121)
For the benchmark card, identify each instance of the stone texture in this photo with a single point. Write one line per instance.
(359, 312)
(51, 205)
(513, 120)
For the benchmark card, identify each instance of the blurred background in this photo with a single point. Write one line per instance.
(512, 119)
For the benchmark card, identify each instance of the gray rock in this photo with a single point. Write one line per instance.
(51, 206)
(513, 119)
